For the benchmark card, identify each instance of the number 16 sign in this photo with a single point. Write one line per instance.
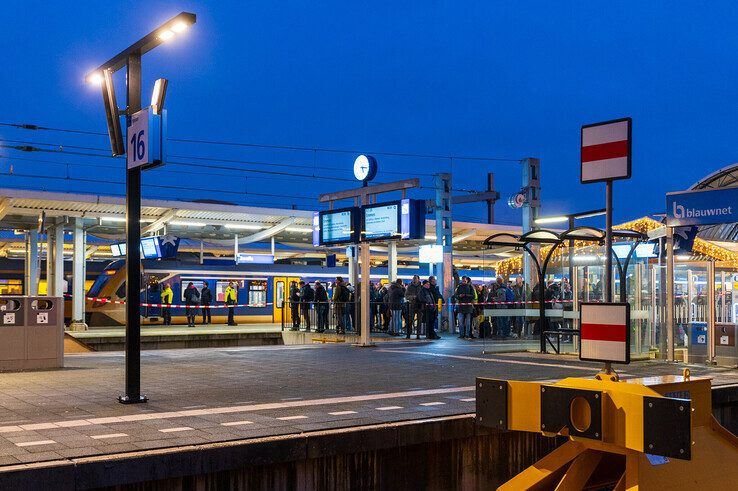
(145, 139)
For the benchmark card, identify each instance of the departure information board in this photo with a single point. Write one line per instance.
(339, 226)
(382, 222)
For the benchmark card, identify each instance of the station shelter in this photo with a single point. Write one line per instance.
(682, 285)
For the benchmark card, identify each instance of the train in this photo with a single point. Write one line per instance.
(262, 289)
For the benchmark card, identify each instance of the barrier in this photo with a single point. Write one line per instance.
(31, 333)
(651, 433)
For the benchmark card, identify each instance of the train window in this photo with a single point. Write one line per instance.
(197, 283)
(121, 292)
(257, 293)
(11, 287)
(279, 294)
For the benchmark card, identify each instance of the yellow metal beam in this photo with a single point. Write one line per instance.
(580, 471)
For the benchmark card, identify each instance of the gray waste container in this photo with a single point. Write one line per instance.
(12, 329)
(31, 333)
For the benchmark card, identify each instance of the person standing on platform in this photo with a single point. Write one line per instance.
(341, 297)
(465, 297)
(436, 297)
(192, 298)
(411, 299)
(206, 298)
(166, 299)
(428, 308)
(321, 306)
(396, 295)
(295, 306)
(231, 298)
(307, 295)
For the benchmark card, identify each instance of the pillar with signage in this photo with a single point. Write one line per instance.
(359, 226)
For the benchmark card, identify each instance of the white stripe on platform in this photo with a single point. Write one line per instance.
(290, 418)
(265, 406)
(109, 435)
(436, 403)
(237, 423)
(606, 133)
(603, 169)
(33, 444)
(387, 408)
(175, 430)
(468, 399)
(603, 314)
(342, 413)
(603, 350)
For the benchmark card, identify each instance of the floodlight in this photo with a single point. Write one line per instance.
(111, 114)
(94, 78)
(158, 95)
(557, 219)
(166, 35)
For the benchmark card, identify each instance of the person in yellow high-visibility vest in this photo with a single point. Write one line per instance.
(166, 299)
(231, 298)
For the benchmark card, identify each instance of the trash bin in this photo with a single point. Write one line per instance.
(726, 349)
(45, 331)
(12, 330)
(697, 342)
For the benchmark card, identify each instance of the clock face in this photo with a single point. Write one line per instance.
(364, 168)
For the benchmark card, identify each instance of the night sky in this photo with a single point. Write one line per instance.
(502, 80)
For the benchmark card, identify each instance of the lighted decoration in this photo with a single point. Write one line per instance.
(514, 265)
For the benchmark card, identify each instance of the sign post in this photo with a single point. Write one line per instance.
(606, 156)
(604, 332)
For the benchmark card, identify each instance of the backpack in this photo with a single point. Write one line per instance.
(509, 295)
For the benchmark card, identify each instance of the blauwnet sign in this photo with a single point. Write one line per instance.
(702, 207)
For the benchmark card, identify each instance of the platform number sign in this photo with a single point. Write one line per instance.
(145, 138)
(604, 332)
(9, 318)
(42, 318)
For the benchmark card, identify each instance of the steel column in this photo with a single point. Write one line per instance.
(78, 277)
(133, 254)
(669, 324)
(32, 263)
(392, 260)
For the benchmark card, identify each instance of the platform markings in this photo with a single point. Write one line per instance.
(388, 408)
(237, 423)
(468, 399)
(37, 442)
(109, 435)
(194, 407)
(435, 403)
(251, 407)
(38, 426)
(342, 413)
(175, 430)
(290, 418)
(498, 360)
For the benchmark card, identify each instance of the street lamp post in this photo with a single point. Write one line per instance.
(131, 59)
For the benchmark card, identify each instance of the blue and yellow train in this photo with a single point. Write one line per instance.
(262, 289)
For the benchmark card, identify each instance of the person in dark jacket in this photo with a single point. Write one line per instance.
(411, 301)
(321, 306)
(295, 305)
(428, 307)
(307, 296)
(395, 298)
(192, 298)
(436, 297)
(341, 296)
(206, 298)
(465, 298)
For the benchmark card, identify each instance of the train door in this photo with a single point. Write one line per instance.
(281, 298)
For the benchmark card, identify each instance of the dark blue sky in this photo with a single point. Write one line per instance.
(497, 79)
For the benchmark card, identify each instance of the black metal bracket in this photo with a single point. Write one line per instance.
(492, 403)
(556, 414)
(667, 427)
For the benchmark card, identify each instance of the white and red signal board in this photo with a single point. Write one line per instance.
(606, 151)
(604, 332)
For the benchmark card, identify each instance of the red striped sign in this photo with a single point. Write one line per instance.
(604, 332)
(605, 152)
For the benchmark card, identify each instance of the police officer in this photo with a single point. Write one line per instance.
(166, 299)
(231, 298)
(295, 305)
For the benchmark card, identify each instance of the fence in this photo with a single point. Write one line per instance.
(342, 317)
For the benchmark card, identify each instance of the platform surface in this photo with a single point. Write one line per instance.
(213, 395)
